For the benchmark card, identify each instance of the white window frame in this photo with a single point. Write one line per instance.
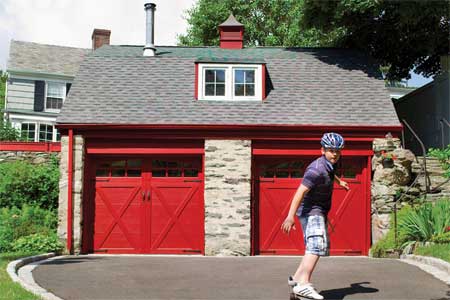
(54, 110)
(229, 81)
(39, 132)
(35, 129)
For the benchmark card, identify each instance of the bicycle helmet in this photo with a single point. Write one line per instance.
(332, 140)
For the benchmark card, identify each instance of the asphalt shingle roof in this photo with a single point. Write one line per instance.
(40, 58)
(315, 86)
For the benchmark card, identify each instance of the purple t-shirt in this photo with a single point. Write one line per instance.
(319, 178)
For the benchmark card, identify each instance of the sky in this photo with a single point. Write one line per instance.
(71, 22)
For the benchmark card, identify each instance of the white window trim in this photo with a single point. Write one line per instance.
(54, 110)
(229, 82)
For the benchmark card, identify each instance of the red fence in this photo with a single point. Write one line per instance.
(31, 146)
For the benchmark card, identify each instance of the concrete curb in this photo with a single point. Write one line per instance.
(20, 271)
(435, 266)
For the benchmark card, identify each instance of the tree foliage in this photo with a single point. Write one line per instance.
(266, 23)
(402, 35)
(3, 78)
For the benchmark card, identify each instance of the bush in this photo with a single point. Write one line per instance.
(16, 223)
(38, 242)
(443, 238)
(24, 183)
(425, 221)
(7, 132)
(444, 157)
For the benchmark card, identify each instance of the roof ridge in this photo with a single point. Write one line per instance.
(51, 45)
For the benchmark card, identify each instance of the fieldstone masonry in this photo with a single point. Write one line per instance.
(387, 182)
(227, 197)
(32, 157)
(77, 191)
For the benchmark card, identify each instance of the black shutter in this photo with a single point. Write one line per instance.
(39, 95)
(68, 85)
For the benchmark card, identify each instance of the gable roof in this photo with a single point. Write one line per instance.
(314, 86)
(48, 59)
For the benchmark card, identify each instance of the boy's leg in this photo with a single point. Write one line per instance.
(306, 268)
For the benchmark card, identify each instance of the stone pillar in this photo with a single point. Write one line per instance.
(227, 197)
(77, 191)
(387, 182)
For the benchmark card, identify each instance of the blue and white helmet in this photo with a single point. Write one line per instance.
(332, 140)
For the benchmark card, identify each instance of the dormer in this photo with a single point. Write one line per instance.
(231, 34)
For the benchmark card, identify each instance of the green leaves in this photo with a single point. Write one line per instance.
(38, 242)
(24, 183)
(267, 23)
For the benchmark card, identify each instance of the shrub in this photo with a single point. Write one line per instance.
(425, 221)
(38, 242)
(24, 183)
(443, 238)
(7, 132)
(443, 156)
(16, 223)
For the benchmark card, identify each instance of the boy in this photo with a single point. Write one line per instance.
(316, 190)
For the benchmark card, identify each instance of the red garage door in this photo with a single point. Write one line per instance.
(149, 205)
(275, 185)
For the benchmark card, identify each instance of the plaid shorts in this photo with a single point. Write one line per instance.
(315, 235)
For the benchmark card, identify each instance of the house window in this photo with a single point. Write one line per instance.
(244, 82)
(214, 82)
(56, 92)
(28, 131)
(230, 82)
(45, 133)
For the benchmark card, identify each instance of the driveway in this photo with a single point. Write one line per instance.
(181, 277)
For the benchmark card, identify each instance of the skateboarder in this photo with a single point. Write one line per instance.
(311, 203)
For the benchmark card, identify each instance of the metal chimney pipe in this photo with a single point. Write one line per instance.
(149, 49)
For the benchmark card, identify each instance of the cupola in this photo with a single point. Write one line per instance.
(231, 34)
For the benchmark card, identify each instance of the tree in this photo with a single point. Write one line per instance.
(7, 132)
(267, 23)
(3, 78)
(402, 35)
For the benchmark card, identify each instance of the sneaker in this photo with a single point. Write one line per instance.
(291, 281)
(307, 291)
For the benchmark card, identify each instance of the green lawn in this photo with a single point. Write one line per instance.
(441, 251)
(11, 290)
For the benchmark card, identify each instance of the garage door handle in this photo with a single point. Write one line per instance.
(143, 195)
(149, 194)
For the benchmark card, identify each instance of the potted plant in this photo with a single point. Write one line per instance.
(387, 159)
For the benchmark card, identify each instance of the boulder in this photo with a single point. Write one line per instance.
(386, 144)
(388, 176)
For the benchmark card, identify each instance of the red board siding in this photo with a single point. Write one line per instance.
(31, 146)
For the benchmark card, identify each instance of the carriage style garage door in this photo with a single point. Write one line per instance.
(148, 205)
(276, 181)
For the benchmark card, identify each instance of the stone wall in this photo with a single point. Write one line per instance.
(388, 181)
(77, 191)
(32, 157)
(227, 197)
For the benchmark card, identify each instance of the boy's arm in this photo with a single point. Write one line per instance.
(295, 203)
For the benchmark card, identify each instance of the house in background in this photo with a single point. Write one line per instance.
(427, 111)
(40, 77)
(199, 150)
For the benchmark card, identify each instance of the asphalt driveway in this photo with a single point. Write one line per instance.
(176, 277)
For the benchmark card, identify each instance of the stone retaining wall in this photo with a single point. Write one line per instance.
(227, 197)
(28, 156)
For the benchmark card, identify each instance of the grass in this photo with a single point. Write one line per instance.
(8, 289)
(441, 251)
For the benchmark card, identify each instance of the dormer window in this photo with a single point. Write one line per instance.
(231, 82)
